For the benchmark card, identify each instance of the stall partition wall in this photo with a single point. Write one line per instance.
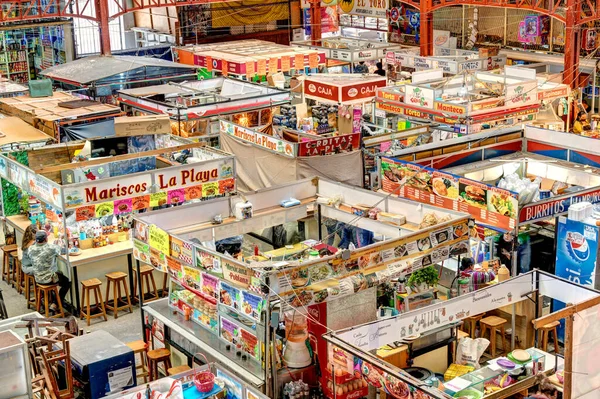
(561, 145)
(260, 167)
(362, 339)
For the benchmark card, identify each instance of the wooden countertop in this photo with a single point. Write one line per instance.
(19, 222)
(101, 253)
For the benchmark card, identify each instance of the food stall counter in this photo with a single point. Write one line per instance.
(204, 341)
(98, 254)
(19, 222)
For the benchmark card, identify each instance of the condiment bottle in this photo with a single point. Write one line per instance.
(503, 273)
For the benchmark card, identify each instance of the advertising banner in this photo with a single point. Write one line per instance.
(419, 96)
(488, 204)
(259, 139)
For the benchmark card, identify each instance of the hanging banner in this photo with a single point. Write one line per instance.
(259, 139)
(367, 8)
(329, 145)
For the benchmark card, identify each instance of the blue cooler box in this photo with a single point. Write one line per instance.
(102, 363)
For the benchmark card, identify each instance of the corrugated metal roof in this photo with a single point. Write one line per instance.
(95, 68)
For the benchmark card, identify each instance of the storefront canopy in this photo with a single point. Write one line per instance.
(100, 70)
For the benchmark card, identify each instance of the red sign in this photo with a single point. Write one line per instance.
(388, 95)
(362, 90)
(489, 205)
(329, 145)
(556, 207)
(321, 90)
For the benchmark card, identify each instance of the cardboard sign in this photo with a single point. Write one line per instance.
(159, 239)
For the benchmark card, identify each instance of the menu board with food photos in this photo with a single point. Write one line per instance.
(229, 296)
(335, 277)
(489, 205)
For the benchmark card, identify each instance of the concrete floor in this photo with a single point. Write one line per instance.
(127, 328)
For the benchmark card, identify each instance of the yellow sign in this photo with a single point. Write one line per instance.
(159, 240)
(451, 108)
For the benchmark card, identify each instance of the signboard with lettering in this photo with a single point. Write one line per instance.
(362, 91)
(520, 94)
(489, 205)
(382, 332)
(367, 8)
(557, 205)
(320, 91)
(260, 139)
(419, 96)
(329, 145)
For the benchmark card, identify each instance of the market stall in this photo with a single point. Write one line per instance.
(101, 76)
(335, 157)
(205, 381)
(465, 103)
(53, 114)
(232, 271)
(194, 107)
(351, 51)
(249, 59)
(86, 205)
(494, 377)
(400, 65)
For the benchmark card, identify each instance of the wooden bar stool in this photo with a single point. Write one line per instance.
(19, 277)
(178, 369)
(116, 279)
(29, 281)
(7, 249)
(16, 267)
(157, 356)
(92, 284)
(146, 273)
(165, 287)
(472, 323)
(495, 324)
(545, 331)
(46, 290)
(141, 348)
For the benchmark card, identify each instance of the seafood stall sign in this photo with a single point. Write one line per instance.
(382, 332)
(489, 205)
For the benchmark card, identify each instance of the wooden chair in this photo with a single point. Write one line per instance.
(29, 281)
(472, 323)
(147, 275)
(92, 284)
(117, 279)
(51, 360)
(46, 290)
(140, 348)
(496, 325)
(165, 286)
(155, 357)
(6, 250)
(544, 336)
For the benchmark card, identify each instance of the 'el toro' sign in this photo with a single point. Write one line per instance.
(166, 179)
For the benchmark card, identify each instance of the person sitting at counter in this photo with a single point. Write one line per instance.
(43, 265)
(361, 67)
(27, 241)
(581, 123)
(478, 277)
(545, 389)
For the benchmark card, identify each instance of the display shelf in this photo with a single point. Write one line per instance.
(207, 342)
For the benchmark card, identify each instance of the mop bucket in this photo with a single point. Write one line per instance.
(204, 380)
(385, 312)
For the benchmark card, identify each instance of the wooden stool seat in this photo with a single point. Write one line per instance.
(29, 281)
(6, 270)
(147, 276)
(92, 284)
(178, 369)
(495, 324)
(117, 279)
(157, 356)
(472, 323)
(46, 290)
(140, 347)
(545, 331)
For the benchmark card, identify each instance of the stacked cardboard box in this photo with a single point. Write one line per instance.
(43, 113)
